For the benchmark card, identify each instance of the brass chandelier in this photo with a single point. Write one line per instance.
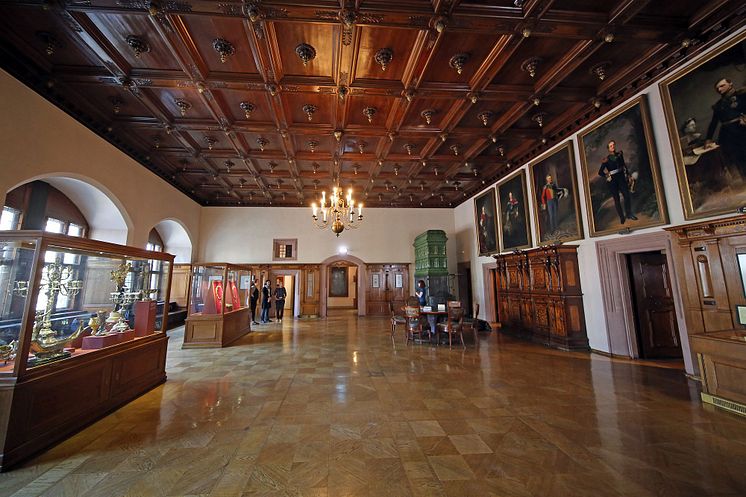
(339, 212)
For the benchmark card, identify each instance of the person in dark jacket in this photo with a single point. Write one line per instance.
(253, 300)
(280, 295)
(266, 302)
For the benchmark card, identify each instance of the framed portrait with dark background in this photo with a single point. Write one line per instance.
(511, 197)
(338, 282)
(555, 197)
(485, 220)
(705, 105)
(621, 176)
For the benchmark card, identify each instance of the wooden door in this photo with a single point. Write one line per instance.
(658, 331)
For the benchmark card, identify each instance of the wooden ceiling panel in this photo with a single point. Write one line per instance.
(168, 99)
(319, 145)
(473, 46)
(474, 119)
(286, 37)
(360, 105)
(121, 30)
(321, 111)
(204, 31)
(37, 31)
(231, 101)
(106, 98)
(609, 61)
(92, 69)
(271, 142)
(544, 51)
(373, 39)
(415, 119)
(595, 6)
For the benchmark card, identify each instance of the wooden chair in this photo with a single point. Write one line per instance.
(472, 324)
(414, 325)
(455, 323)
(413, 301)
(396, 319)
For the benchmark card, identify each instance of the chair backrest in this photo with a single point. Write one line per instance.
(454, 303)
(412, 312)
(413, 301)
(455, 314)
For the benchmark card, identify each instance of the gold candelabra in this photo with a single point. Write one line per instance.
(340, 212)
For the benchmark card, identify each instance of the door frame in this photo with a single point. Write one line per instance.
(616, 292)
(362, 278)
(295, 273)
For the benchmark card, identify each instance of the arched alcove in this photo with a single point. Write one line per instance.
(107, 219)
(176, 239)
(362, 277)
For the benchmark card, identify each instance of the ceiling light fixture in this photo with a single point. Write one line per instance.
(339, 214)
(383, 57)
(306, 53)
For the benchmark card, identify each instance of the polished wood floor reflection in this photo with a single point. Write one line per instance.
(329, 408)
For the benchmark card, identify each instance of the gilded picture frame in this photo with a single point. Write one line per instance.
(485, 223)
(512, 198)
(556, 211)
(631, 167)
(711, 176)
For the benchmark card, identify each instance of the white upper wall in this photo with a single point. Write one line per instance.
(39, 141)
(245, 234)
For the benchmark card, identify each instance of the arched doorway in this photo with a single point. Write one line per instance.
(342, 261)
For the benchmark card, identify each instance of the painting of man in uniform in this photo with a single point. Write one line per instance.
(620, 171)
(486, 223)
(511, 196)
(706, 114)
(556, 197)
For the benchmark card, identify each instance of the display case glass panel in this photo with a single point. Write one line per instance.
(16, 261)
(208, 292)
(81, 299)
(238, 283)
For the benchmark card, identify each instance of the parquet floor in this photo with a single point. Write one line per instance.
(328, 408)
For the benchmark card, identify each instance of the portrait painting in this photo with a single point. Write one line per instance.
(511, 197)
(555, 197)
(338, 282)
(485, 220)
(621, 176)
(705, 106)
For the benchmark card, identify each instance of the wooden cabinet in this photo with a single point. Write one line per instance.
(539, 296)
(711, 273)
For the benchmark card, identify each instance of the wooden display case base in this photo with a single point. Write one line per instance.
(215, 330)
(721, 403)
(55, 401)
(722, 365)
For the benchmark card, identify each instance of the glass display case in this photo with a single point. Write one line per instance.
(69, 306)
(218, 304)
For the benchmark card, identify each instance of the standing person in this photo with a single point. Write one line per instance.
(280, 294)
(266, 302)
(615, 171)
(421, 293)
(729, 113)
(549, 199)
(253, 299)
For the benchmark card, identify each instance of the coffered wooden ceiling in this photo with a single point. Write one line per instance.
(470, 88)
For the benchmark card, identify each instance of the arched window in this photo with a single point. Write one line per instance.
(155, 244)
(40, 206)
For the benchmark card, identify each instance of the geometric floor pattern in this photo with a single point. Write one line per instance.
(330, 408)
